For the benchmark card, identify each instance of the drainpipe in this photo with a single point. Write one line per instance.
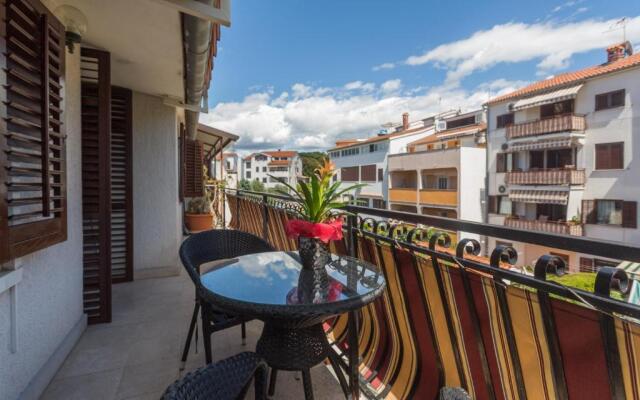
(196, 34)
(486, 181)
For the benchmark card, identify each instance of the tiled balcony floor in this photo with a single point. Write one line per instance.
(137, 355)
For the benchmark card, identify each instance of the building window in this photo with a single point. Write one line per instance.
(500, 205)
(610, 155)
(257, 169)
(264, 180)
(264, 169)
(368, 173)
(380, 174)
(373, 148)
(501, 162)
(350, 174)
(610, 100)
(610, 212)
(461, 122)
(379, 203)
(248, 165)
(248, 174)
(351, 152)
(504, 120)
(555, 109)
(443, 183)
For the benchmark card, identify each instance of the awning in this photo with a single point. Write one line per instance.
(540, 196)
(560, 143)
(214, 140)
(547, 98)
(630, 268)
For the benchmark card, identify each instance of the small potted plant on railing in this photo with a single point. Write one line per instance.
(199, 214)
(319, 212)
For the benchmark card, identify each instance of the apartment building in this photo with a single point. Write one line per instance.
(227, 168)
(562, 157)
(282, 164)
(365, 160)
(429, 177)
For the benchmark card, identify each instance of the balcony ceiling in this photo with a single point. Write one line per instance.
(144, 39)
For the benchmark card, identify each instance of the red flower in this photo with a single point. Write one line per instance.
(323, 231)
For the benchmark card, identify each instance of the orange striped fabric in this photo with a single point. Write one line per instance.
(628, 334)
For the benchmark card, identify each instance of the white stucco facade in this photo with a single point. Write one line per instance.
(47, 314)
(611, 125)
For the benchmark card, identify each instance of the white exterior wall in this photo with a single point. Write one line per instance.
(157, 214)
(471, 184)
(606, 126)
(49, 314)
(262, 173)
(393, 145)
(620, 124)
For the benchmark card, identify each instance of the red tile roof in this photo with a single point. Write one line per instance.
(278, 163)
(280, 153)
(570, 78)
(376, 138)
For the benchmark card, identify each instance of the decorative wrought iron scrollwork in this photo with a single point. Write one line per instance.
(382, 228)
(467, 246)
(395, 231)
(609, 278)
(439, 238)
(549, 264)
(368, 224)
(503, 253)
(417, 234)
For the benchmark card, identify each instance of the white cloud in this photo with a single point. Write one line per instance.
(554, 44)
(391, 86)
(314, 119)
(359, 85)
(386, 65)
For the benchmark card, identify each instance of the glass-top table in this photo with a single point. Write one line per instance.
(292, 301)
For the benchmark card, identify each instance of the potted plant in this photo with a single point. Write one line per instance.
(199, 214)
(319, 212)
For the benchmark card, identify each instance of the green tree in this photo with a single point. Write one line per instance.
(257, 186)
(244, 185)
(312, 161)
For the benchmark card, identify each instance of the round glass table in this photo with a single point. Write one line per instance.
(293, 302)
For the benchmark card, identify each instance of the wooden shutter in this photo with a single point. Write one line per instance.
(501, 162)
(121, 186)
(601, 101)
(493, 204)
(602, 156)
(96, 183)
(368, 173)
(588, 211)
(32, 135)
(193, 162)
(630, 214)
(616, 157)
(349, 174)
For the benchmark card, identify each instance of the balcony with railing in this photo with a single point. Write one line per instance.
(560, 228)
(559, 176)
(561, 123)
(457, 314)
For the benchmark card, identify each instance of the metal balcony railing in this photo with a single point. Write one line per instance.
(451, 317)
(560, 176)
(561, 123)
(560, 228)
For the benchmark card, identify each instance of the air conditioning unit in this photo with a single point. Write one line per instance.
(441, 126)
(504, 146)
(502, 188)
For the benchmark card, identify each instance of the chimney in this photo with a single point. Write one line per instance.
(405, 121)
(619, 51)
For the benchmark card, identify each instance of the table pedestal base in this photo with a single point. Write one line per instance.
(296, 349)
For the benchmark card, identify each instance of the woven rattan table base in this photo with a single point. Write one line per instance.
(292, 349)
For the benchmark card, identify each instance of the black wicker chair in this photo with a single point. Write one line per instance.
(228, 379)
(208, 246)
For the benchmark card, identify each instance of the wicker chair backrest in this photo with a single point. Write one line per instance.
(218, 244)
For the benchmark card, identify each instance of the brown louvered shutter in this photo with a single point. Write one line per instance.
(349, 174)
(193, 162)
(96, 183)
(501, 162)
(630, 214)
(588, 211)
(368, 173)
(32, 135)
(121, 186)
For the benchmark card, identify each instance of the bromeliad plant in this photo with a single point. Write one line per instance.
(319, 205)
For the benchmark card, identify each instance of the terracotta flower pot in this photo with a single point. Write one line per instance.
(198, 222)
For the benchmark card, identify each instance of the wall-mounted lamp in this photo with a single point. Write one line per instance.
(75, 23)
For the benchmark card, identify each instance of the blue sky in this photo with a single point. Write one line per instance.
(299, 74)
